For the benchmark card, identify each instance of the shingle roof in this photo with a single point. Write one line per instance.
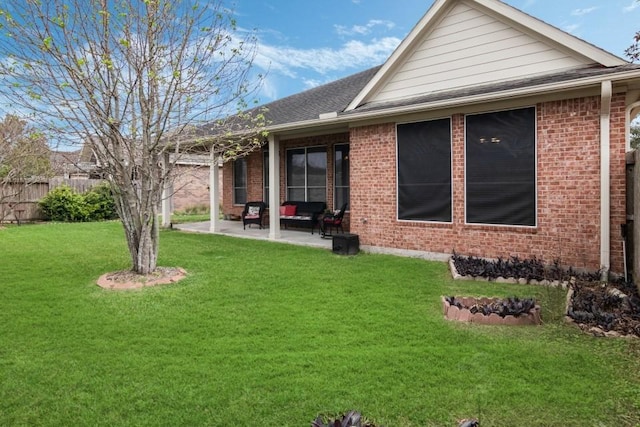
(328, 98)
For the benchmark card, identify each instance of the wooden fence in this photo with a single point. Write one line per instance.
(19, 200)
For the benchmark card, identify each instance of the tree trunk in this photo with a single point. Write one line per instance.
(141, 229)
(143, 245)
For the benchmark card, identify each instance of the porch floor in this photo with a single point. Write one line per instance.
(301, 237)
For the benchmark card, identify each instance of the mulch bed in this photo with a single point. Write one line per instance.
(122, 280)
(605, 309)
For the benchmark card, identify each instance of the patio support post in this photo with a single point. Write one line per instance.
(167, 192)
(605, 170)
(214, 193)
(274, 187)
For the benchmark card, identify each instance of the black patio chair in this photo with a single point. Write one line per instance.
(332, 220)
(253, 213)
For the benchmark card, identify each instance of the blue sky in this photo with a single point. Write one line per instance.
(305, 43)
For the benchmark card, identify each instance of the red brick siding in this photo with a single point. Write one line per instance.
(568, 227)
(568, 189)
(618, 180)
(191, 187)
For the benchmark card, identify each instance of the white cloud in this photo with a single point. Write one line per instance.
(268, 88)
(363, 29)
(634, 4)
(572, 28)
(581, 12)
(352, 54)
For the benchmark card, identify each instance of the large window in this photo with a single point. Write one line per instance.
(307, 174)
(240, 181)
(501, 167)
(424, 171)
(341, 176)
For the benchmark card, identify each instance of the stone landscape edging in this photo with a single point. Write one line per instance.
(522, 281)
(451, 312)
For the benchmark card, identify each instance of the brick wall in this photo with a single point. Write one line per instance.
(568, 189)
(568, 146)
(191, 187)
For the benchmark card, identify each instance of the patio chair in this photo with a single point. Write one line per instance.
(253, 213)
(331, 221)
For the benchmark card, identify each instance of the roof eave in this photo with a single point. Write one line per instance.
(543, 89)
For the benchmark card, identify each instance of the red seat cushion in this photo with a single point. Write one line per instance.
(288, 210)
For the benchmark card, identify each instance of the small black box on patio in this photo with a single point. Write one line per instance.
(346, 244)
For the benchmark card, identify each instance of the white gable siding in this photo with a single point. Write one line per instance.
(468, 48)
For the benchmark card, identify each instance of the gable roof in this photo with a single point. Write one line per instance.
(466, 43)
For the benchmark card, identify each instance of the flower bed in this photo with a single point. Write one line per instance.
(492, 311)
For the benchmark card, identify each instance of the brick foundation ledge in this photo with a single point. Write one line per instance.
(451, 312)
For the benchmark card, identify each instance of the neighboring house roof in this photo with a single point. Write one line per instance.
(63, 161)
(74, 163)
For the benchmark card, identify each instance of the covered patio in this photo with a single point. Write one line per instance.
(234, 229)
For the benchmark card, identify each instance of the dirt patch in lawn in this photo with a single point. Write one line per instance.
(123, 280)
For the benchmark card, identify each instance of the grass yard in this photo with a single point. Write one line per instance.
(268, 334)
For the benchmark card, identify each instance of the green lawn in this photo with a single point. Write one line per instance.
(268, 334)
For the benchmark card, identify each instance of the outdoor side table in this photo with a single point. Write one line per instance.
(346, 244)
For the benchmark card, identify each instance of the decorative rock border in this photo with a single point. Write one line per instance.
(553, 283)
(451, 312)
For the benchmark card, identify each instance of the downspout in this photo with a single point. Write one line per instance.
(605, 173)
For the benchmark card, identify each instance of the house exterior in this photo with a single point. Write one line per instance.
(487, 132)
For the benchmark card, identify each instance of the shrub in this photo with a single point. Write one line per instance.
(65, 204)
(100, 203)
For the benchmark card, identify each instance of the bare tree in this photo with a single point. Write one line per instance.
(24, 158)
(134, 79)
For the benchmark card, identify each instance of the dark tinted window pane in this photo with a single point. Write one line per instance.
(316, 167)
(240, 173)
(341, 196)
(341, 176)
(296, 194)
(240, 181)
(424, 171)
(342, 165)
(240, 196)
(501, 168)
(296, 168)
(317, 194)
